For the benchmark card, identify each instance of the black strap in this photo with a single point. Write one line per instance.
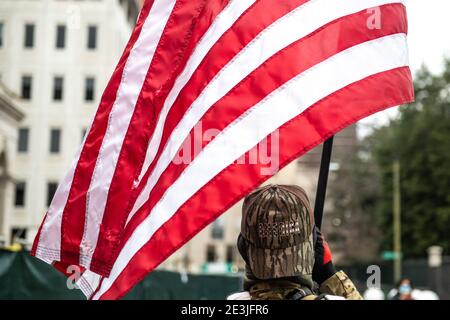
(323, 181)
(299, 294)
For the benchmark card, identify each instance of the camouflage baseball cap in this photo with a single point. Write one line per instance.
(277, 224)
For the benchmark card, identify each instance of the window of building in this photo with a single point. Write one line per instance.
(230, 254)
(58, 88)
(83, 133)
(18, 235)
(55, 140)
(51, 190)
(60, 36)
(92, 37)
(29, 36)
(19, 198)
(22, 145)
(217, 230)
(1, 34)
(27, 87)
(211, 255)
(89, 92)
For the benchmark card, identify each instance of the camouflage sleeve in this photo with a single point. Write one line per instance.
(340, 285)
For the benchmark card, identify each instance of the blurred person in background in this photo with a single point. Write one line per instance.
(404, 290)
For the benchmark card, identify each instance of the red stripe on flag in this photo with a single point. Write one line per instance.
(315, 125)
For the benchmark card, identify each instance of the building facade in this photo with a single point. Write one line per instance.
(10, 119)
(58, 55)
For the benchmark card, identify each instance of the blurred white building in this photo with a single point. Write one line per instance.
(10, 118)
(57, 55)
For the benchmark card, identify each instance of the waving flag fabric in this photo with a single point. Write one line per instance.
(244, 69)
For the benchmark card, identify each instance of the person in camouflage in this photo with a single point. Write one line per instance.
(286, 256)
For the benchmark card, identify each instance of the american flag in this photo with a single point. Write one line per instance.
(244, 68)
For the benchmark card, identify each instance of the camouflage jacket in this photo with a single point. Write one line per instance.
(337, 287)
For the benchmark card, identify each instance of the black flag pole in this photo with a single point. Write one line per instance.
(323, 181)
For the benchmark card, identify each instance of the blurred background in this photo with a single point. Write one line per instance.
(388, 201)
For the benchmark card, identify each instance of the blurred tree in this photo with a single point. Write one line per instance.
(420, 140)
(351, 226)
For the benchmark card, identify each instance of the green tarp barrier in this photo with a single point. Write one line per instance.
(25, 277)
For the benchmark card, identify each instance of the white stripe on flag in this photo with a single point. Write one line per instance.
(280, 34)
(134, 75)
(297, 95)
(88, 282)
